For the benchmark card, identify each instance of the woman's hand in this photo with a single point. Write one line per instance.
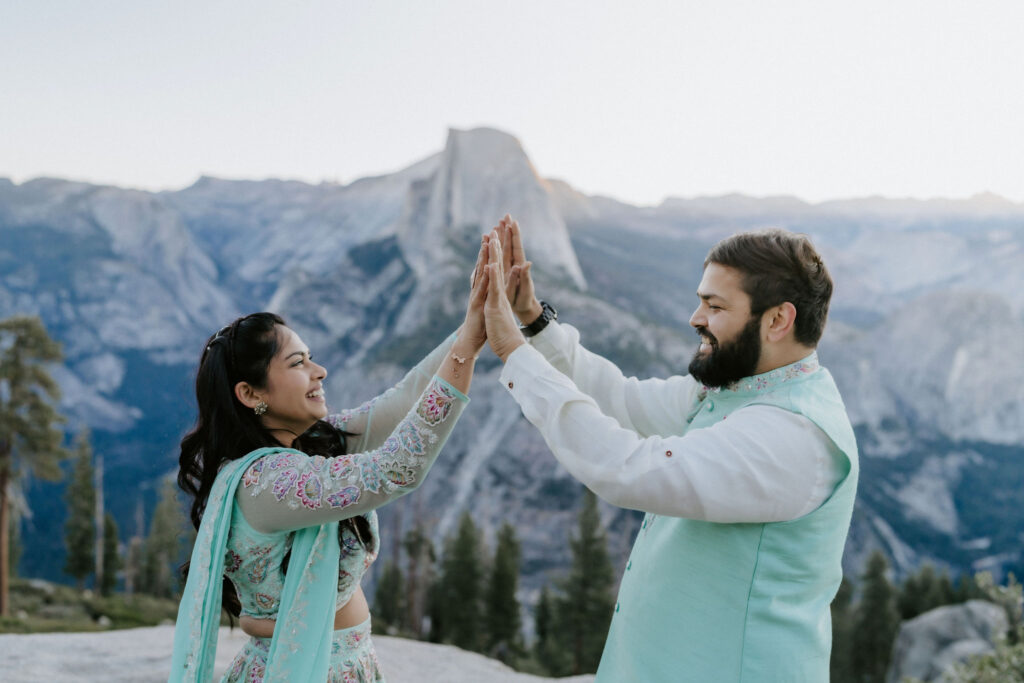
(473, 333)
(502, 331)
(519, 286)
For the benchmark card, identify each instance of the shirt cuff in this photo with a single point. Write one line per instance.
(521, 366)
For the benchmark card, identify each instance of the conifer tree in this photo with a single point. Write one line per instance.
(842, 628)
(461, 589)
(549, 648)
(420, 553)
(163, 544)
(585, 611)
(111, 558)
(875, 623)
(389, 599)
(29, 438)
(80, 528)
(502, 616)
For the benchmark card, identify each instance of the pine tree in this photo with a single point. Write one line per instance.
(29, 438)
(875, 623)
(80, 528)
(420, 553)
(502, 613)
(163, 545)
(585, 611)
(549, 647)
(460, 594)
(842, 628)
(389, 599)
(111, 558)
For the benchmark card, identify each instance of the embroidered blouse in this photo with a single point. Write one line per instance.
(398, 436)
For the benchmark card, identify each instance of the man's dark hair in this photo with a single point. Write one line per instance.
(780, 266)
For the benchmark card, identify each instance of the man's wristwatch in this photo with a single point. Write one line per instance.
(547, 314)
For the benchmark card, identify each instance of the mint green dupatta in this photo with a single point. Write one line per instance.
(301, 647)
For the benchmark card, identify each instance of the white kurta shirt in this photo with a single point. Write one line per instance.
(622, 438)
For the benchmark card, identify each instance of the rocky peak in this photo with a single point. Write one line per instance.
(482, 175)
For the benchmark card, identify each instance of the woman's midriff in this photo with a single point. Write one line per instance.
(355, 612)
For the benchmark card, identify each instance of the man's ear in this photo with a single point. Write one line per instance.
(778, 321)
(245, 393)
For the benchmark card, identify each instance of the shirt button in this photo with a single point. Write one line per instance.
(629, 565)
(644, 525)
(711, 406)
(510, 385)
(616, 607)
(668, 454)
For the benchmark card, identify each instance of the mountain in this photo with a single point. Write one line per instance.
(925, 338)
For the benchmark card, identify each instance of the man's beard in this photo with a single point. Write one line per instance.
(731, 361)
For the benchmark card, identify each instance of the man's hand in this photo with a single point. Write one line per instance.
(519, 283)
(502, 331)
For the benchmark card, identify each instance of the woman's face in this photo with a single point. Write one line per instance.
(294, 392)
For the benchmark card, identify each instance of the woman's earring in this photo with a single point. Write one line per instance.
(260, 408)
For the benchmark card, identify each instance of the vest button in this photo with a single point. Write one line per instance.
(644, 525)
(616, 607)
(510, 385)
(711, 406)
(629, 565)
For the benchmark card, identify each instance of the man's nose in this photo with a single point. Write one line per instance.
(698, 319)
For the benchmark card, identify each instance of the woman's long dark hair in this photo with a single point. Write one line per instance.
(227, 430)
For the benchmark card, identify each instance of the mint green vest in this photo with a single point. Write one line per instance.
(739, 603)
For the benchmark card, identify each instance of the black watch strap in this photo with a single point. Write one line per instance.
(547, 314)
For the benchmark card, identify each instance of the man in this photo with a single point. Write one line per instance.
(746, 468)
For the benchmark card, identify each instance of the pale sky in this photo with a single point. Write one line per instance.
(637, 100)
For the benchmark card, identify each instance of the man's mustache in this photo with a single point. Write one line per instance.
(704, 332)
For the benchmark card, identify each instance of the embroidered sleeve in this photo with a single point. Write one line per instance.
(375, 420)
(287, 491)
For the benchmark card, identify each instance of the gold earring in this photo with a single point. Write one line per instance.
(260, 408)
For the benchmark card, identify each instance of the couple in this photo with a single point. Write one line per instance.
(746, 468)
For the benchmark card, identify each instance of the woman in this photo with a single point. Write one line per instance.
(285, 515)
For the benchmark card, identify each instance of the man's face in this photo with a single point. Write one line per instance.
(730, 337)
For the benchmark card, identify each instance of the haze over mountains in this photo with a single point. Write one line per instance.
(926, 335)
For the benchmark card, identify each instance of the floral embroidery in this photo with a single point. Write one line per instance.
(281, 460)
(256, 672)
(771, 379)
(343, 498)
(258, 570)
(284, 482)
(317, 462)
(412, 439)
(370, 474)
(252, 475)
(353, 638)
(232, 561)
(436, 404)
(309, 490)
(344, 580)
(349, 544)
(265, 601)
(342, 467)
(399, 474)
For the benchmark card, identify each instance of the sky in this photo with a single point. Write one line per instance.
(635, 100)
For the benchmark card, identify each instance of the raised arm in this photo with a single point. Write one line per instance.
(375, 420)
(649, 407)
(763, 464)
(760, 465)
(289, 491)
